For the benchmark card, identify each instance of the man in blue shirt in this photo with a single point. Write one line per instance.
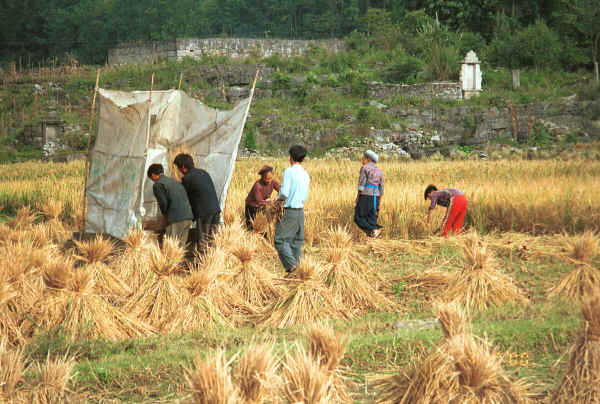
(289, 233)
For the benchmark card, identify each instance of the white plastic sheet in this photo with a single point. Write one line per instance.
(119, 194)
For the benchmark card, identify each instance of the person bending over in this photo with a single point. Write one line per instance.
(289, 231)
(258, 196)
(370, 191)
(202, 196)
(456, 207)
(173, 203)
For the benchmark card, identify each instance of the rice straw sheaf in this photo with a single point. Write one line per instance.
(582, 248)
(207, 306)
(160, 299)
(250, 278)
(12, 364)
(24, 219)
(581, 384)
(307, 301)
(349, 277)
(256, 374)
(452, 318)
(430, 281)
(107, 283)
(328, 349)
(131, 264)
(11, 319)
(71, 302)
(51, 209)
(210, 381)
(305, 380)
(53, 379)
(480, 284)
(578, 284)
(95, 250)
(461, 370)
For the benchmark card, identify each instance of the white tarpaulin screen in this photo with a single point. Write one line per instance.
(119, 194)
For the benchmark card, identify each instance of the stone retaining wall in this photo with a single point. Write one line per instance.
(442, 89)
(134, 52)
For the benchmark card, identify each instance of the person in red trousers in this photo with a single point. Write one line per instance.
(456, 207)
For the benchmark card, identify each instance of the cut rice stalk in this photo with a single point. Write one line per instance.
(256, 373)
(578, 284)
(307, 301)
(96, 250)
(328, 349)
(305, 381)
(11, 369)
(210, 381)
(53, 380)
(580, 382)
(452, 318)
(582, 248)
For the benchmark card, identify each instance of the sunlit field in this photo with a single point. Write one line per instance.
(494, 315)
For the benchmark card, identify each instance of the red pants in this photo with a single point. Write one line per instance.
(455, 215)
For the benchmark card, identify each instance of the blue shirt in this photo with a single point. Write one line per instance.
(294, 187)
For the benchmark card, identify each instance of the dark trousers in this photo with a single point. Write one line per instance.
(250, 214)
(365, 213)
(205, 228)
(289, 237)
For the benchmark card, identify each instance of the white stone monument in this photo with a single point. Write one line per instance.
(470, 76)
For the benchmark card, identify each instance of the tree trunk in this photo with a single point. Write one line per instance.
(596, 78)
(516, 79)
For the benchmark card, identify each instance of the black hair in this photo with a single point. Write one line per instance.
(297, 153)
(429, 189)
(183, 160)
(156, 169)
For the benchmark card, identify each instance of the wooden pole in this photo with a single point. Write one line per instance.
(180, 79)
(516, 79)
(88, 157)
(596, 74)
(147, 144)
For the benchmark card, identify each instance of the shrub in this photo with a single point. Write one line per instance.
(357, 42)
(250, 138)
(373, 117)
(403, 68)
(281, 81)
(538, 46)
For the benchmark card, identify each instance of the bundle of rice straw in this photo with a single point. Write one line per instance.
(94, 253)
(53, 379)
(131, 265)
(72, 303)
(460, 370)
(307, 301)
(250, 278)
(305, 380)
(328, 349)
(24, 219)
(431, 281)
(480, 284)
(11, 318)
(210, 381)
(11, 370)
(584, 279)
(580, 383)
(256, 374)
(207, 305)
(160, 299)
(351, 280)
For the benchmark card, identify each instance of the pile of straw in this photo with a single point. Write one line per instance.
(71, 302)
(328, 348)
(305, 380)
(210, 381)
(581, 381)
(351, 279)
(53, 378)
(160, 299)
(461, 370)
(207, 305)
(480, 284)
(584, 280)
(10, 317)
(256, 374)
(12, 364)
(131, 264)
(307, 301)
(94, 253)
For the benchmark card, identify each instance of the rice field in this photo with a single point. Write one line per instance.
(99, 321)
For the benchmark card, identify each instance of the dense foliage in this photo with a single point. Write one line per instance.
(526, 33)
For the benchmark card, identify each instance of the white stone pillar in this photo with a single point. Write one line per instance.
(470, 75)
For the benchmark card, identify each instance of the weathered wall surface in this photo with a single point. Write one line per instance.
(442, 89)
(134, 52)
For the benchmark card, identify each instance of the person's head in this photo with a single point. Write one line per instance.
(155, 171)
(370, 156)
(266, 174)
(429, 190)
(184, 162)
(297, 154)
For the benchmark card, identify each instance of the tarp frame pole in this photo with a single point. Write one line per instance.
(88, 156)
(147, 144)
